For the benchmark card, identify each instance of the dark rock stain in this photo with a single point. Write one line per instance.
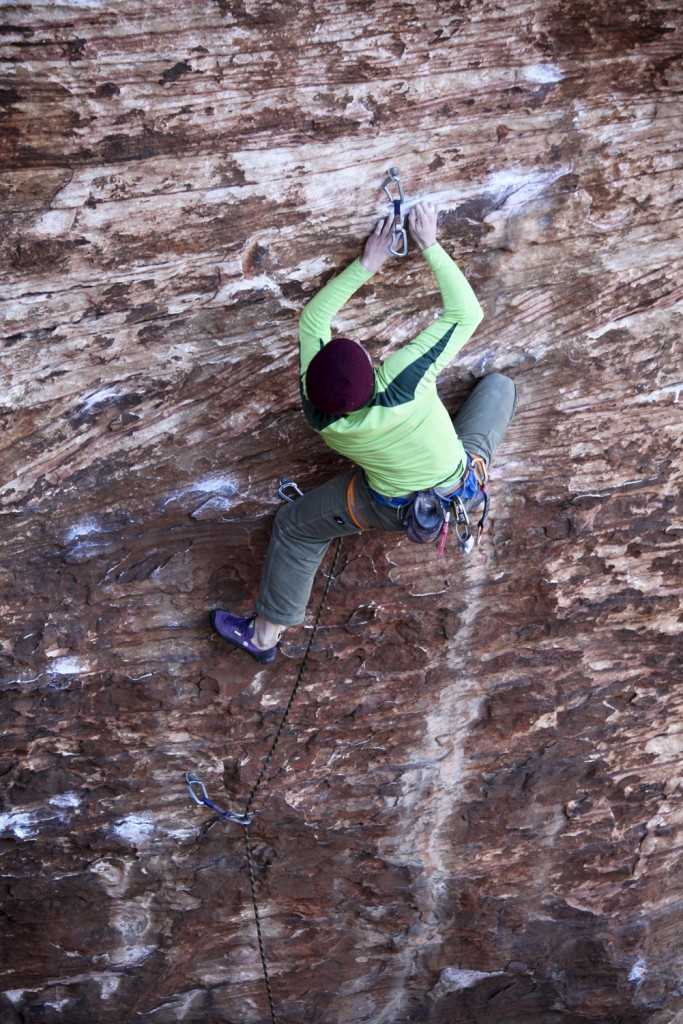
(176, 72)
(598, 27)
(76, 49)
(148, 143)
(9, 98)
(107, 90)
(466, 222)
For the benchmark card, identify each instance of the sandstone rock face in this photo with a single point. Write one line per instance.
(474, 814)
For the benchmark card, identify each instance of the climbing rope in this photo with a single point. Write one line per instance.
(199, 795)
(257, 919)
(321, 608)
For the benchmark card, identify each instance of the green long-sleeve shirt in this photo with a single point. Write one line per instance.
(404, 437)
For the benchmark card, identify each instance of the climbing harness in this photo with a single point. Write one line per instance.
(355, 514)
(428, 513)
(399, 239)
(197, 790)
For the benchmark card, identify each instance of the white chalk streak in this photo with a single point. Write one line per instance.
(543, 73)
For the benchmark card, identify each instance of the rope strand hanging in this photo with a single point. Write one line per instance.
(199, 795)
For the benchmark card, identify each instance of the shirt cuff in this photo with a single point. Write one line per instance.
(433, 252)
(362, 271)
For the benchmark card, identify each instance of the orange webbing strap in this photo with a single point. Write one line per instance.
(353, 507)
(481, 470)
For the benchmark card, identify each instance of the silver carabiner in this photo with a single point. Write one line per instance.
(192, 781)
(465, 538)
(287, 484)
(399, 239)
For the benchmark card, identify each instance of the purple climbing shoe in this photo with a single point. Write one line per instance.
(239, 632)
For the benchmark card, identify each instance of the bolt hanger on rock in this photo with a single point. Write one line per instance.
(399, 239)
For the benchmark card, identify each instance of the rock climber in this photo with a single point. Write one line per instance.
(389, 421)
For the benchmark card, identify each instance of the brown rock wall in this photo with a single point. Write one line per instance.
(475, 811)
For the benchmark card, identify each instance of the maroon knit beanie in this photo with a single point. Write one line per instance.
(340, 377)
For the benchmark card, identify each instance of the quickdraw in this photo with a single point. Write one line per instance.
(399, 239)
(466, 541)
(481, 471)
(194, 784)
(462, 527)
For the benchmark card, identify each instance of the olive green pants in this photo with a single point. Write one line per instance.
(302, 530)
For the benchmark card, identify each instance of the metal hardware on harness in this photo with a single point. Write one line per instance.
(482, 521)
(192, 781)
(287, 484)
(399, 239)
(462, 527)
(444, 532)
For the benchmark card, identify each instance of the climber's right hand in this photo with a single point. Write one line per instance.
(422, 224)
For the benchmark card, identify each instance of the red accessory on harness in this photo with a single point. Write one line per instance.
(340, 377)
